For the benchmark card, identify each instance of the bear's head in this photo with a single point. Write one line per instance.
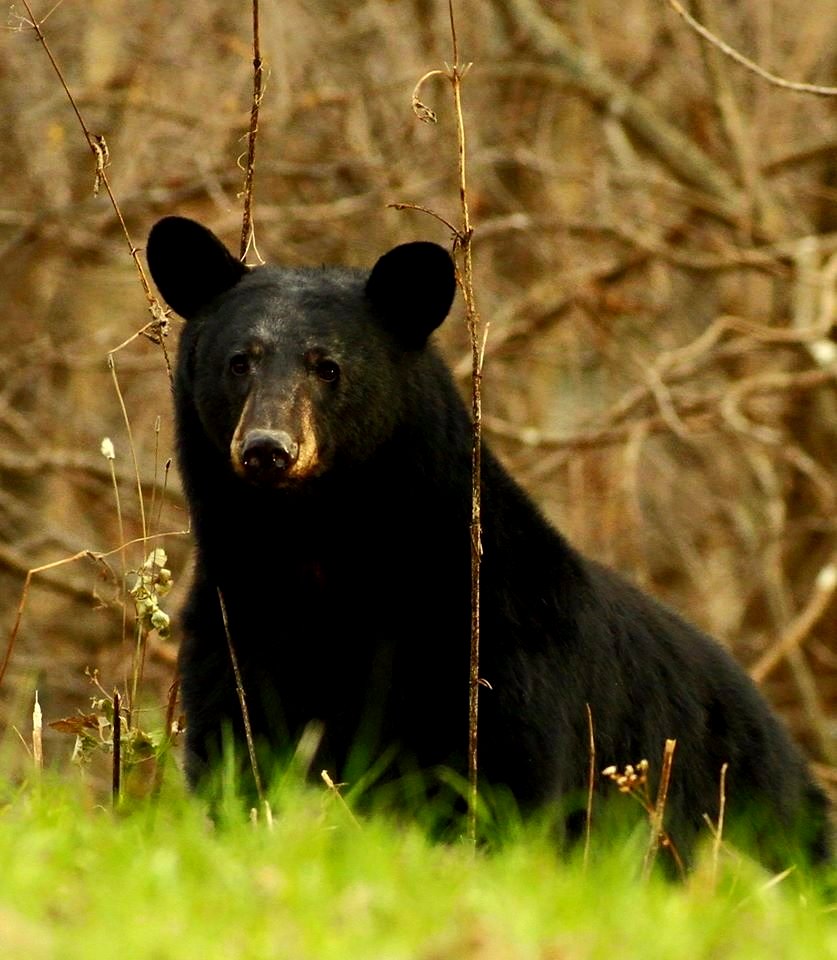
(291, 371)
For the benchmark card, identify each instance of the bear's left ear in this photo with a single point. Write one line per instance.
(189, 264)
(412, 287)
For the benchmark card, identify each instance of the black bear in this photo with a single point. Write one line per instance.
(325, 455)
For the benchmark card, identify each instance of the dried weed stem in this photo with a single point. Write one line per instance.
(250, 169)
(334, 789)
(242, 699)
(37, 737)
(462, 236)
(477, 338)
(591, 779)
(657, 815)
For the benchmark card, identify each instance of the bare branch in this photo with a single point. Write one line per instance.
(733, 54)
(680, 154)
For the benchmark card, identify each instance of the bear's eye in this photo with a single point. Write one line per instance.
(240, 365)
(327, 370)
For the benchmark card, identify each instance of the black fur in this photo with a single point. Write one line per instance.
(347, 586)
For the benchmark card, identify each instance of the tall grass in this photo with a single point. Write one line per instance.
(161, 881)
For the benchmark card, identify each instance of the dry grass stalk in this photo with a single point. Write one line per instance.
(462, 237)
(334, 789)
(37, 737)
(477, 339)
(657, 815)
(633, 781)
(718, 832)
(169, 733)
(242, 699)
(591, 777)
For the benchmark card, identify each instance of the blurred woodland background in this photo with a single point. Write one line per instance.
(655, 251)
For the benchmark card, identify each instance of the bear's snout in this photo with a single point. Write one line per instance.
(266, 455)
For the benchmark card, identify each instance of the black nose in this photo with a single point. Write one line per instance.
(267, 454)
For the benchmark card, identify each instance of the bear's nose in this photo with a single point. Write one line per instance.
(267, 454)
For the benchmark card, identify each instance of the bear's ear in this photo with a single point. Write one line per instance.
(412, 287)
(189, 264)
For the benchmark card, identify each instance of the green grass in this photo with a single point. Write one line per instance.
(160, 881)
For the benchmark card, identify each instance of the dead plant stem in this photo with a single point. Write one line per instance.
(116, 782)
(168, 734)
(466, 280)
(591, 780)
(657, 815)
(242, 699)
(719, 828)
(37, 737)
(252, 136)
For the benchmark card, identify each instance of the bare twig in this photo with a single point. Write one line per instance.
(675, 150)
(800, 627)
(247, 216)
(765, 212)
(13, 561)
(431, 213)
(98, 147)
(22, 603)
(739, 58)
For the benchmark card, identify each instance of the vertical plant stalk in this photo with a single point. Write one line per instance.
(140, 633)
(245, 713)
(334, 789)
(472, 318)
(658, 813)
(168, 736)
(37, 737)
(249, 172)
(116, 782)
(591, 780)
(718, 832)
(109, 453)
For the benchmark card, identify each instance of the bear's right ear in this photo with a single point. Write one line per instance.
(412, 288)
(189, 264)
